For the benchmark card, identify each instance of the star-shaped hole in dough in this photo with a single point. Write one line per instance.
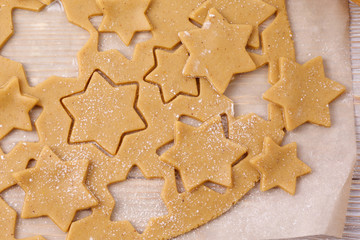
(124, 17)
(169, 75)
(279, 166)
(217, 50)
(14, 108)
(304, 92)
(203, 154)
(55, 188)
(253, 12)
(103, 113)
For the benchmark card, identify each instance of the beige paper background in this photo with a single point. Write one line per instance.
(320, 27)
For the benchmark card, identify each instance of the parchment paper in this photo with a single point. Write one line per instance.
(320, 28)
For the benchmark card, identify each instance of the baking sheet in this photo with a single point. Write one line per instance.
(321, 200)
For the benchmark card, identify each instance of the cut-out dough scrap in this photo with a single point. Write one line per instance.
(203, 154)
(53, 182)
(6, 9)
(217, 50)
(304, 92)
(8, 221)
(279, 166)
(14, 108)
(253, 12)
(168, 74)
(124, 17)
(168, 18)
(104, 107)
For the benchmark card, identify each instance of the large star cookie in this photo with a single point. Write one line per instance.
(217, 50)
(304, 92)
(203, 154)
(14, 108)
(55, 188)
(103, 113)
(279, 166)
(253, 12)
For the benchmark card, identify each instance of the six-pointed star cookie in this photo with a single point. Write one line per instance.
(169, 76)
(304, 92)
(217, 50)
(279, 166)
(54, 182)
(203, 154)
(14, 108)
(125, 17)
(253, 12)
(103, 113)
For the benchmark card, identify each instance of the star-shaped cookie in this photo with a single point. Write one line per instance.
(217, 50)
(203, 154)
(169, 75)
(55, 188)
(104, 107)
(304, 92)
(124, 17)
(279, 166)
(253, 12)
(14, 108)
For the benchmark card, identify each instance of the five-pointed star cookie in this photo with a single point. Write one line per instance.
(217, 50)
(279, 166)
(55, 188)
(14, 108)
(7, 223)
(253, 12)
(169, 75)
(124, 17)
(103, 113)
(203, 154)
(304, 92)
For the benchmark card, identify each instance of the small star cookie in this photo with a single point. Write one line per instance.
(104, 107)
(217, 50)
(14, 108)
(304, 92)
(169, 76)
(253, 12)
(124, 17)
(53, 182)
(279, 166)
(203, 154)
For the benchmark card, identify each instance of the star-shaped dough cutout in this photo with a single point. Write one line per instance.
(304, 92)
(14, 108)
(124, 17)
(169, 75)
(104, 107)
(217, 50)
(8, 221)
(203, 154)
(253, 12)
(55, 188)
(279, 166)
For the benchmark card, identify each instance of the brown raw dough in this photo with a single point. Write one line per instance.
(6, 9)
(168, 75)
(14, 108)
(55, 188)
(102, 106)
(253, 12)
(279, 166)
(304, 92)
(124, 17)
(203, 154)
(8, 221)
(217, 50)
